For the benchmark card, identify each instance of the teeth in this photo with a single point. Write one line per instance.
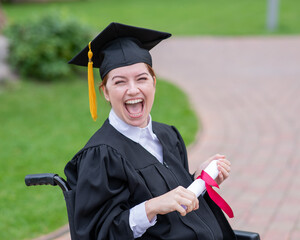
(133, 101)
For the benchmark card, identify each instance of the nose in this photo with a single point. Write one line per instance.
(132, 89)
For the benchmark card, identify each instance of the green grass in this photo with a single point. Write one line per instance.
(41, 127)
(191, 17)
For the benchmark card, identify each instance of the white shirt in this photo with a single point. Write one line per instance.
(138, 219)
(143, 136)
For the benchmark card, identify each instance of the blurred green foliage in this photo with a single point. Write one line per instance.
(191, 17)
(41, 47)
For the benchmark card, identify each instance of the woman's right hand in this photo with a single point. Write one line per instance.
(172, 201)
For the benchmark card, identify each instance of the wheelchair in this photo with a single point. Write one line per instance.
(56, 180)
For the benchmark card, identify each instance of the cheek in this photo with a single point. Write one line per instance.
(115, 96)
(150, 93)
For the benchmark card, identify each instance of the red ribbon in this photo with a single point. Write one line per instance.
(209, 181)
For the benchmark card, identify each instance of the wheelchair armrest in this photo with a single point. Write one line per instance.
(243, 235)
(46, 179)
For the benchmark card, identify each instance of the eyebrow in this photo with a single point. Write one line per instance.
(141, 74)
(117, 76)
(120, 76)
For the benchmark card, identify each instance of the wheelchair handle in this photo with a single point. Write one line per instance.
(46, 179)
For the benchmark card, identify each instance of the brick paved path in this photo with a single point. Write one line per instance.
(246, 91)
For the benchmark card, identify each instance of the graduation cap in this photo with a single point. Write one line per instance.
(118, 45)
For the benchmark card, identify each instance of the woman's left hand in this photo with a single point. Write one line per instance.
(223, 167)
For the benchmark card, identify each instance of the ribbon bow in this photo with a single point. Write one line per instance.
(209, 181)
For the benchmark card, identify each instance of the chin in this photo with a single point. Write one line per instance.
(138, 123)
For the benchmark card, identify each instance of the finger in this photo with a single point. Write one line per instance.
(224, 168)
(196, 205)
(188, 205)
(189, 201)
(220, 178)
(225, 161)
(219, 156)
(191, 207)
(187, 198)
(181, 209)
(225, 165)
(224, 172)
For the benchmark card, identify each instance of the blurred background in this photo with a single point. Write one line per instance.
(231, 69)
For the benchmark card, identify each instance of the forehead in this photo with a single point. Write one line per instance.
(129, 71)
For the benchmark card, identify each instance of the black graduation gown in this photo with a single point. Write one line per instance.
(112, 174)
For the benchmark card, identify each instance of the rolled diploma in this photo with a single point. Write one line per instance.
(198, 186)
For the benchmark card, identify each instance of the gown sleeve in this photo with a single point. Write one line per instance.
(99, 177)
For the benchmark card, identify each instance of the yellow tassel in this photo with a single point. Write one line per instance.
(92, 93)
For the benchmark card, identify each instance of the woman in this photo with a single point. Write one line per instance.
(130, 179)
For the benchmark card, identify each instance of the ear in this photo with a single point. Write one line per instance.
(105, 92)
(154, 81)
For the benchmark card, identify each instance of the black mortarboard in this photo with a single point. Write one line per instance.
(118, 45)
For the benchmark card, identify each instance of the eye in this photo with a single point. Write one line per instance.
(142, 79)
(119, 82)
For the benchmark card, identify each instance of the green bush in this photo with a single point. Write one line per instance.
(41, 47)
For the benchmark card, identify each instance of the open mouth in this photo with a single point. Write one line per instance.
(135, 107)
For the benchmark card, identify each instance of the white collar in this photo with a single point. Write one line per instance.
(133, 133)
